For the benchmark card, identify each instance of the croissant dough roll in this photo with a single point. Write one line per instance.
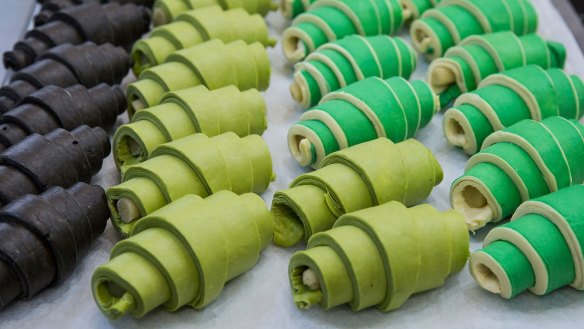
(330, 20)
(195, 164)
(539, 250)
(44, 237)
(165, 11)
(415, 8)
(454, 20)
(525, 161)
(464, 67)
(354, 58)
(195, 27)
(363, 111)
(351, 180)
(212, 64)
(505, 99)
(186, 112)
(379, 257)
(183, 254)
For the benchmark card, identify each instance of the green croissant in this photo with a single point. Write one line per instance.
(379, 257)
(504, 99)
(525, 161)
(464, 67)
(212, 64)
(330, 20)
(368, 109)
(183, 254)
(454, 20)
(359, 177)
(165, 11)
(186, 112)
(196, 164)
(541, 249)
(341, 63)
(415, 8)
(195, 27)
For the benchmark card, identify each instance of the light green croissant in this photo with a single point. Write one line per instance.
(186, 112)
(522, 162)
(213, 64)
(165, 11)
(341, 63)
(379, 257)
(330, 20)
(504, 99)
(541, 249)
(195, 27)
(363, 111)
(452, 21)
(359, 177)
(195, 164)
(183, 254)
(464, 67)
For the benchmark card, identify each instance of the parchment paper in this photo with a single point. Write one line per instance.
(261, 298)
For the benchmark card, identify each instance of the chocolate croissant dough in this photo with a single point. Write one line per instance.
(195, 164)
(186, 112)
(50, 7)
(454, 20)
(350, 180)
(212, 64)
(195, 27)
(109, 23)
(525, 161)
(165, 11)
(183, 254)
(540, 249)
(340, 63)
(379, 257)
(43, 238)
(365, 110)
(330, 20)
(54, 107)
(464, 67)
(504, 99)
(66, 65)
(60, 158)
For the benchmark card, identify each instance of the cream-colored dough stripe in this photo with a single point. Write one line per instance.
(318, 21)
(450, 25)
(483, 106)
(345, 9)
(484, 21)
(468, 139)
(317, 56)
(362, 106)
(376, 58)
(377, 16)
(503, 165)
(504, 136)
(348, 56)
(400, 106)
(515, 238)
(303, 156)
(323, 85)
(561, 150)
(331, 124)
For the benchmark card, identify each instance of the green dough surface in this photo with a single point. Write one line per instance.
(183, 254)
(196, 164)
(212, 64)
(350, 180)
(524, 161)
(166, 11)
(504, 99)
(341, 63)
(197, 26)
(379, 256)
(445, 26)
(372, 108)
(186, 112)
(330, 20)
(540, 249)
